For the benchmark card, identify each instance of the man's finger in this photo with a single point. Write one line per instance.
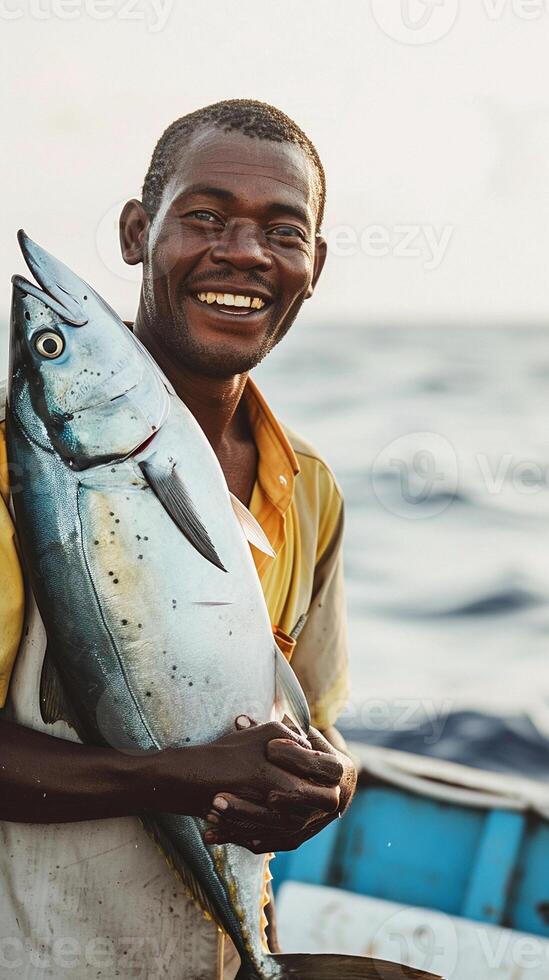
(303, 740)
(232, 811)
(244, 721)
(261, 840)
(307, 798)
(292, 735)
(278, 728)
(320, 743)
(318, 766)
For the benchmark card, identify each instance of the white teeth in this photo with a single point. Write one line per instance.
(229, 299)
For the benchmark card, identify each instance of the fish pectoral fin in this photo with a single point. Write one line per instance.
(174, 497)
(289, 697)
(252, 530)
(53, 702)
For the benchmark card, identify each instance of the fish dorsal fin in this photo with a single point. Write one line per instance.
(289, 696)
(165, 482)
(53, 702)
(252, 530)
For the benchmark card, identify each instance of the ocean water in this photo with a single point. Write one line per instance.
(439, 438)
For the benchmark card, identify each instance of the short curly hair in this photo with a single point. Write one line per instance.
(248, 116)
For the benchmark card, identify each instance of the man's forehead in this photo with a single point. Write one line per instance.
(279, 171)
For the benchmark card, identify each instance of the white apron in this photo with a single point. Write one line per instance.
(93, 900)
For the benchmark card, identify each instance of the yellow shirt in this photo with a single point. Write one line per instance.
(298, 503)
(12, 595)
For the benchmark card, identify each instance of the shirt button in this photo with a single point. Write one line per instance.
(282, 480)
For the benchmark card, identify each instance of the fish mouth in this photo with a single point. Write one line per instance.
(58, 287)
(75, 319)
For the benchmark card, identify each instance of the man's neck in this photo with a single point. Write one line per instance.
(213, 401)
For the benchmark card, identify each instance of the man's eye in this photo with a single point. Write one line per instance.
(287, 231)
(206, 216)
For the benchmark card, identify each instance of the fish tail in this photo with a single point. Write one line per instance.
(304, 966)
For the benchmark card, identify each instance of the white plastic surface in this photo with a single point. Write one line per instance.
(313, 919)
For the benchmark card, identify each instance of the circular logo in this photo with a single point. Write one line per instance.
(423, 940)
(416, 475)
(415, 21)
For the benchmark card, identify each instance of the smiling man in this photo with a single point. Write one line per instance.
(228, 236)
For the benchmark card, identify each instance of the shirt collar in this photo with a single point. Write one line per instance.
(277, 465)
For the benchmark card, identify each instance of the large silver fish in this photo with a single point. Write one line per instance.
(140, 564)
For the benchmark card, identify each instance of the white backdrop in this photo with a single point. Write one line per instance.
(432, 118)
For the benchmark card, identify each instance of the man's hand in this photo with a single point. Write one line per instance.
(320, 784)
(186, 780)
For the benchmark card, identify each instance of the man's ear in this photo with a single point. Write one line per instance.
(321, 251)
(132, 227)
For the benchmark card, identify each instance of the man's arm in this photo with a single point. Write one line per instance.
(51, 780)
(44, 779)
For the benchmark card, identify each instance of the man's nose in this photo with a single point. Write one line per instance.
(242, 245)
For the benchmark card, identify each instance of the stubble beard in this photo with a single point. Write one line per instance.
(178, 343)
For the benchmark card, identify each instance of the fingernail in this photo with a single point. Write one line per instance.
(210, 837)
(243, 721)
(220, 802)
(213, 818)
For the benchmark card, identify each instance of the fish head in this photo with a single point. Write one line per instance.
(80, 382)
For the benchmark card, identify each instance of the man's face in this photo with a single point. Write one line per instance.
(237, 219)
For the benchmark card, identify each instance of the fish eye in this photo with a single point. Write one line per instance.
(49, 344)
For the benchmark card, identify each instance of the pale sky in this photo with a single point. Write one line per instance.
(437, 154)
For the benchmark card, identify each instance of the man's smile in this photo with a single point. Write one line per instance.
(237, 303)
(229, 299)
